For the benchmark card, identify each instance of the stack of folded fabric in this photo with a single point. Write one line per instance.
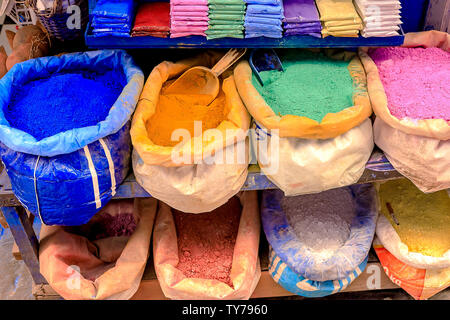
(112, 18)
(226, 19)
(301, 18)
(263, 18)
(188, 17)
(380, 18)
(339, 18)
(152, 19)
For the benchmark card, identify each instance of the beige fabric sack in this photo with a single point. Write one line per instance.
(109, 268)
(300, 166)
(245, 268)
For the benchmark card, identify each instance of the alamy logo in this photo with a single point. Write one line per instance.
(231, 146)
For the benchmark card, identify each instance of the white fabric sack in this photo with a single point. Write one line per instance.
(193, 188)
(425, 161)
(392, 242)
(309, 165)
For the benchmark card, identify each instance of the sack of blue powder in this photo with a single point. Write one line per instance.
(312, 130)
(64, 131)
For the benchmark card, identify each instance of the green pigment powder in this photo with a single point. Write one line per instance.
(311, 85)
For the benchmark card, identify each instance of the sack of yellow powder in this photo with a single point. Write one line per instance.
(417, 147)
(414, 226)
(103, 259)
(193, 157)
(296, 152)
(421, 284)
(209, 256)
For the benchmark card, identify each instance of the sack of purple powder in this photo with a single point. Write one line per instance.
(103, 259)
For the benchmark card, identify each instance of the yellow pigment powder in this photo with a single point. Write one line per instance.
(179, 111)
(424, 219)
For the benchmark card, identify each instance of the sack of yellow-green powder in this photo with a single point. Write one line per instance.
(305, 155)
(418, 148)
(103, 259)
(209, 256)
(414, 226)
(421, 284)
(192, 157)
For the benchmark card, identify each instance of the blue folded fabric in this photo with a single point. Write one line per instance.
(262, 27)
(264, 9)
(110, 33)
(97, 25)
(112, 20)
(270, 2)
(268, 21)
(114, 8)
(252, 34)
(262, 15)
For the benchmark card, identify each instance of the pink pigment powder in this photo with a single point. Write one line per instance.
(416, 81)
(206, 241)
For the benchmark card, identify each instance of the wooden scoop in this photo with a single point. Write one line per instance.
(203, 81)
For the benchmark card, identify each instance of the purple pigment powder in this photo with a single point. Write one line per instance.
(416, 81)
(63, 101)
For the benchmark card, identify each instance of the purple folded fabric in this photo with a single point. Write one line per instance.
(299, 33)
(309, 29)
(300, 11)
(302, 25)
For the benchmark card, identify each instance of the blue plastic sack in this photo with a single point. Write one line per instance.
(292, 282)
(71, 140)
(284, 242)
(66, 178)
(68, 190)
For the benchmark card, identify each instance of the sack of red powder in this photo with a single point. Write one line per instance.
(209, 256)
(409, 96)
(421, 284)
(103, 259)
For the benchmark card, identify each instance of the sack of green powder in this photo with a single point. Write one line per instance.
(68, 175)
(417, 148)
(103, 259)
(195, 174)
(209, 256)
(414, 226)
(299, 154)
(421, 284)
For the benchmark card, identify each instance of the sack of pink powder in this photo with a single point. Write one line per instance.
(211, 255)
(410, 96)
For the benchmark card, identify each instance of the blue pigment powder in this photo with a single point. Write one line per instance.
(64, 101)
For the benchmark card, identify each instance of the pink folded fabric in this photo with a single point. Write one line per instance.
(184, 23)
(189, 14)
(189, 2)
(187, 34)
(174, 9)
(188, 29)
(188, 18)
